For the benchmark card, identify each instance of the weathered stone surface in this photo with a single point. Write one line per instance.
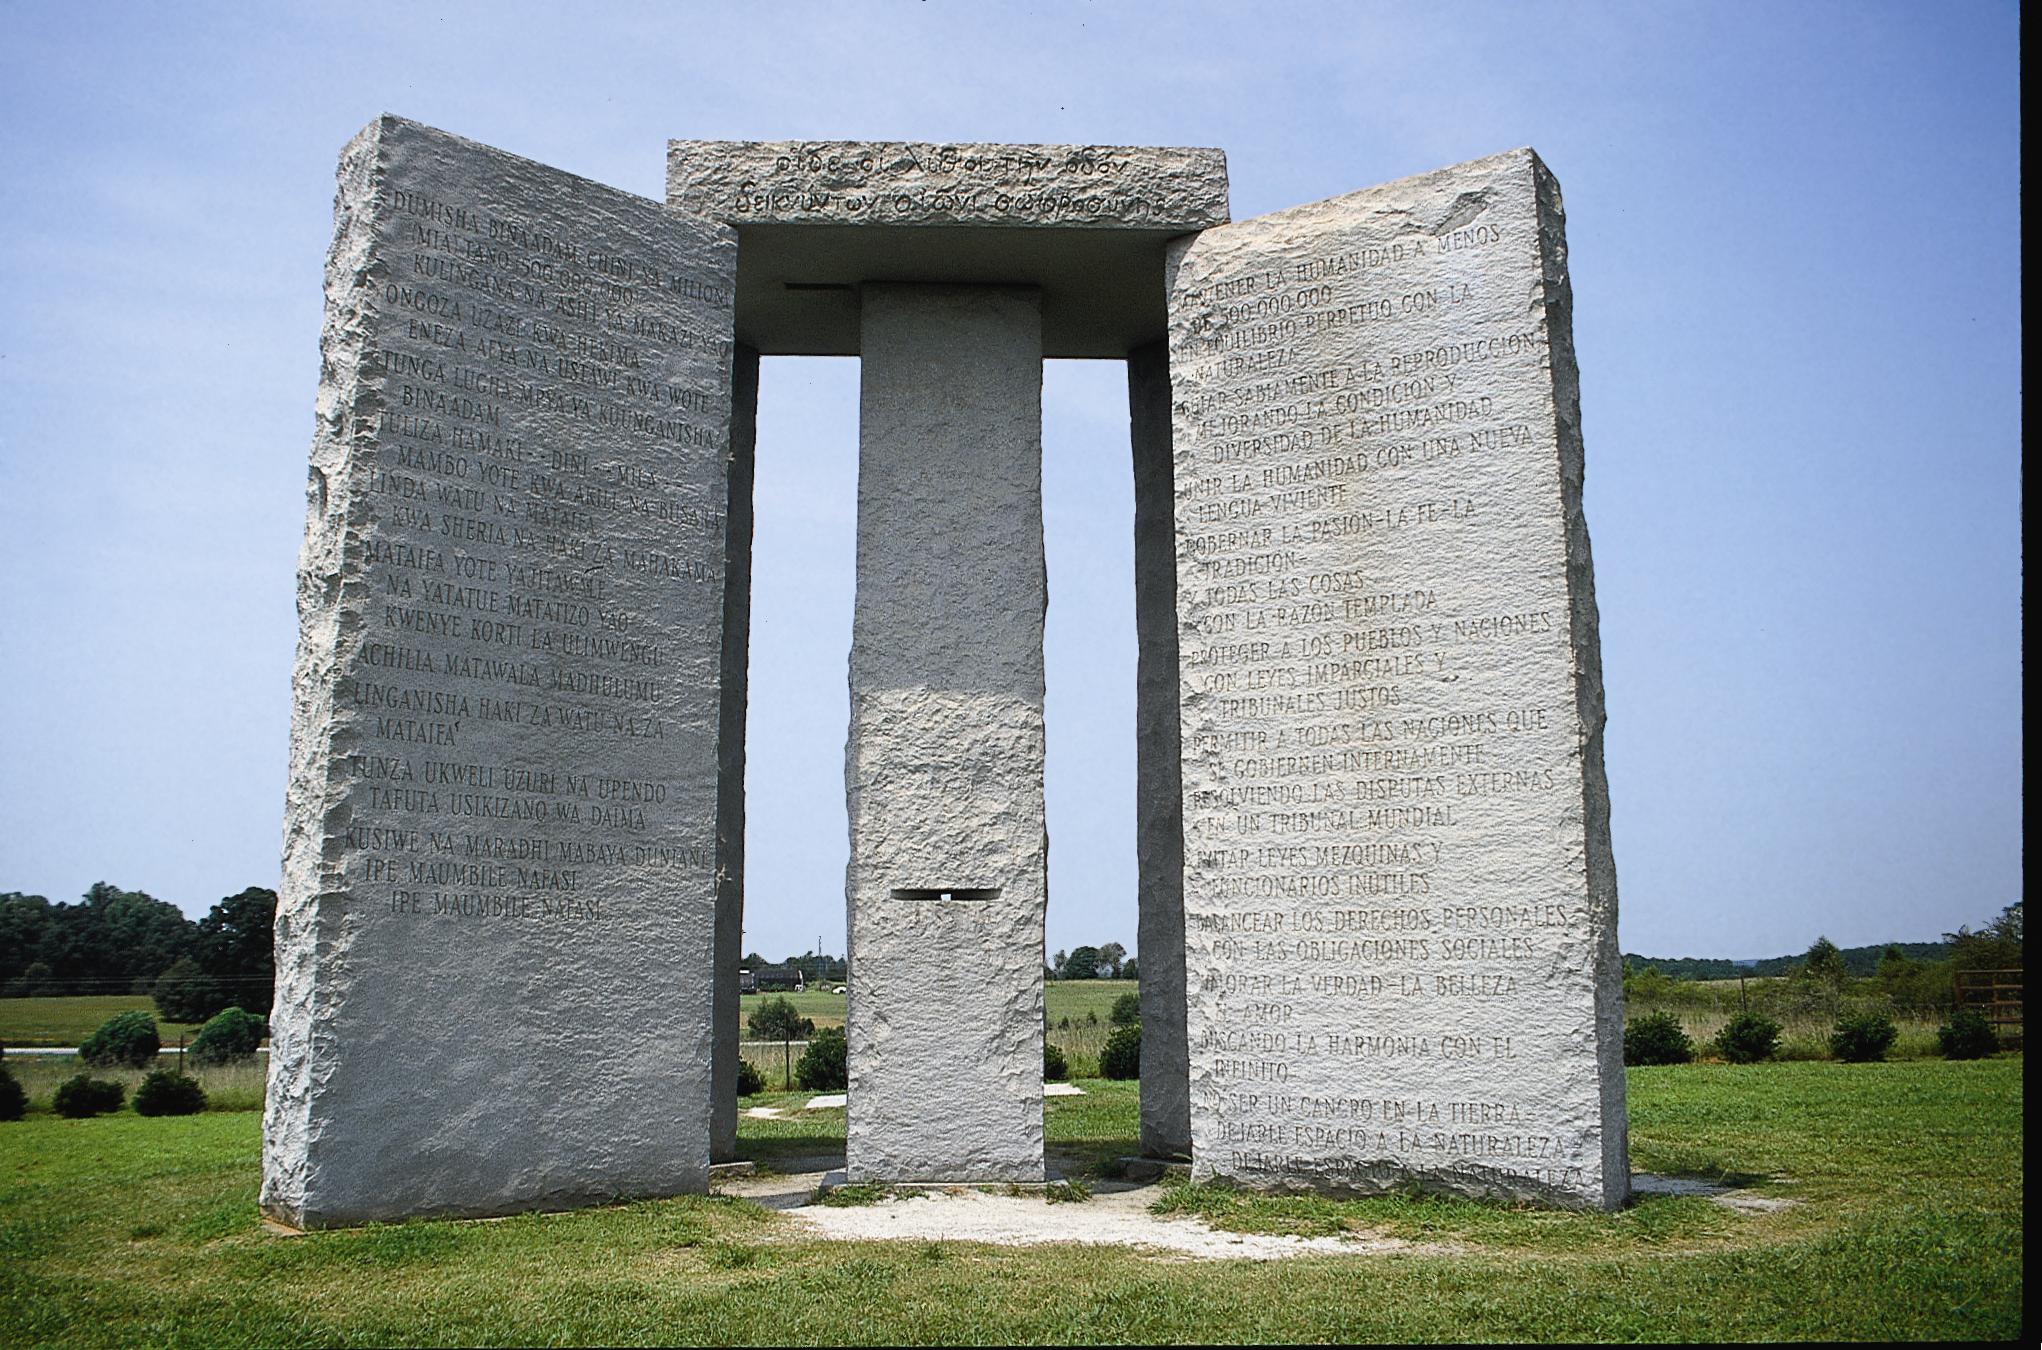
(1400, 900)
(735, 678)
(902, 183)
(947, 881)
(494, 935)
(1084, 225)
(1159, 781)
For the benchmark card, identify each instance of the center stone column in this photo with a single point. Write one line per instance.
(947, 884)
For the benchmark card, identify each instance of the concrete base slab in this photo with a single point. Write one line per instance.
(723, 1171)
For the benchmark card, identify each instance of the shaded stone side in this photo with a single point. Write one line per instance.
(912, 183)
(1159, 799)
(494, 931)
(730, 759)
(1400, 907)
(947, 882)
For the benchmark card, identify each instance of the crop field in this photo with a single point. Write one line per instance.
(1903, 1185)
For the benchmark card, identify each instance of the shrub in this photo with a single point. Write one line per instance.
(87, 1096)
(1122, 1057)
(230, 1035)
(1967, 1035)
(127, 1038)
(1863, 1037)
(750, 1081)
(1127, 1010)
(166, 1092)
(185, 993)
(1657, 1038)
(776, 1020)
(13, 1101)
(823, 1067)
(1055, 1068)
(1748, 1038)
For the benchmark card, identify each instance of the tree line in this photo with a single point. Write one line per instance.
(1110, 962)
(115, 941)
(1914, 975)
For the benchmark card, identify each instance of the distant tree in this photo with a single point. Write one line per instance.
(1646, 984)
(186, 993)
(1113, 954)
(1997, 946)
(776, 1020)
(1082, 964)
(1824, 964)
(1056, 965)
(237, 946)
(37, 981)
(1128, 970)
(24, 919)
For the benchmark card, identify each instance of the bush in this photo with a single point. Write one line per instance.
(87, 1096)
(1127, 1010)
(1748, 1038)
(185, 993)
(776, 1020)
(1055, 1068)
(1657, 1038)
(1967, 1035)
(750, 1082)
(1862, 1038)
(824, 1067)
(1122, 1057)
(232, 1034)
(166, 1092)
(127, 1038)
(13, 1101)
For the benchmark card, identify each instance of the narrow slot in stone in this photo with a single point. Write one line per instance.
(953, 894)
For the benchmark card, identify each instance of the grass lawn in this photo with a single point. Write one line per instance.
(1061, 998)
(1907, 1180)
(67, 1021)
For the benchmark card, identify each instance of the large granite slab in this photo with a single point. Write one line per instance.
(1400, 902)
(1175, 188)
(494, 935)
(947, 883)
(1085, 225)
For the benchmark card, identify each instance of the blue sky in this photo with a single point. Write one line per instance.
(1795, 246)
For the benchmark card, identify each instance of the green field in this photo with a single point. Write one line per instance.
(67, 1021)
(1906, 1179)
(1061, 998)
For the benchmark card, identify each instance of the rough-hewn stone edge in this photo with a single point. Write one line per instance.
(1194, 179)
(730, 749)
(307, 938)
(311, 938)
(1585, 634)
(1159, 777)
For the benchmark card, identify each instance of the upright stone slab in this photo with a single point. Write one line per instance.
(1159, 778)
(494, 937)
(947, 880)
(1400, 900)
